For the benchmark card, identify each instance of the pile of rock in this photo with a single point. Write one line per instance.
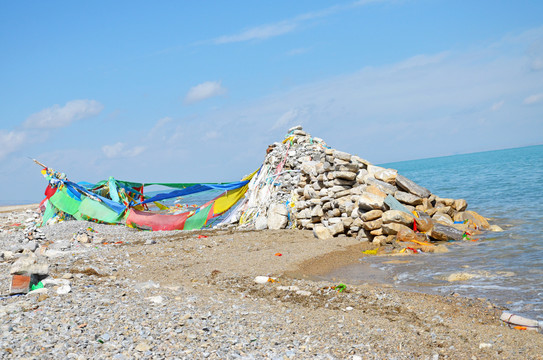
(311, 186)
(269, 202)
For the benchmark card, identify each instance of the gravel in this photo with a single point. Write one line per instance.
(128, 294)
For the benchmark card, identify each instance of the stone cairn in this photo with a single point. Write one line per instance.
(305, 184)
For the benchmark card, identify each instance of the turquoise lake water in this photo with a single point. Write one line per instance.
(505, 185)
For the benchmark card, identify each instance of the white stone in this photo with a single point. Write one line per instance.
(262, 279)
(64, 289)
(261, 223)
(50, 282)
(336, 229)
(369, 201)
(342, 155)
(22, 265)
(321, 232)
(156, 299)
(309, 168)
(38, 291)
(277, 216)
(54, 253)
(386, 175)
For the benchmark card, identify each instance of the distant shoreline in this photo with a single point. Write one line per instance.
(9, 208)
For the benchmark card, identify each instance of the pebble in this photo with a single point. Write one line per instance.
(156, 299)
(64, 289)
(143, 347)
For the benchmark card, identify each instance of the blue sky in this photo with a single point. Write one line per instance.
(195, 91)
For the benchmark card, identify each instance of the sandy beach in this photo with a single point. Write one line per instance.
(192, 294)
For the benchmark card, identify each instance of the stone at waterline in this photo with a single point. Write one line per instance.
(460, 204)
(442, 218)
(393, 228)
(444, 201)
(444, 233)
(479, 220)
(440, 208)
(424, 222)
(406, 235)
(409, 186)
(495, 228)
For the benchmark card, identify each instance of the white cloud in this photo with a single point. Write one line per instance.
(267, 31)
(120, 150)
(421, 61)
(533, 99)
(11, 141)
(298, 51)
(163, 121)
(258, 33)
(56, 116)
(497, 106)
(288, 118)
(161, 128)
(210, 135)
(537, 64)
(204, 91)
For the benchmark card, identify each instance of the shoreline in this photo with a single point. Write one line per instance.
(193, 294)
(13, 208)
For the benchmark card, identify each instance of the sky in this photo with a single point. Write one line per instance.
(179, 91)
